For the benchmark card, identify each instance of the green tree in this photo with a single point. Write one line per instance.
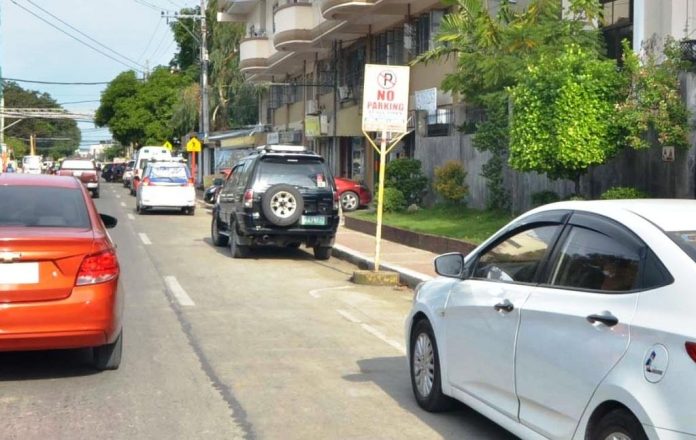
(187, 33)
(563, 115)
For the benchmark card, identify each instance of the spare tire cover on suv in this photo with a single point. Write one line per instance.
(282, 205)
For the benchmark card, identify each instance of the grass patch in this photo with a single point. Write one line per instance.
(471, 225)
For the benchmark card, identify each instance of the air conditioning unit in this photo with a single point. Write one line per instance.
(344, 93)
(312, 107)
(324, 124)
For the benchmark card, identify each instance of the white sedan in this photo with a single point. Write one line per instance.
(575, 321)
(166, 185)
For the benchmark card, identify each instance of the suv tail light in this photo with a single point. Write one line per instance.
(146, 181)
(98, 268)
(691, 350)
(335, 200)
(190, 181)
(249, 198)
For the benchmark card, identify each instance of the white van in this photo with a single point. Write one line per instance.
(142, 157)
(31, 164)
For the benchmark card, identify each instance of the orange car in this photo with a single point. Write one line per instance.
(59, 273)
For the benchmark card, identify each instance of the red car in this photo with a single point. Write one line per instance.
(352, 194)
(59, 273)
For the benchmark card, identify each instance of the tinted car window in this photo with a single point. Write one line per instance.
(591, 260)
(517, 257)
(297, 172)
(177, 174)
(43, 207)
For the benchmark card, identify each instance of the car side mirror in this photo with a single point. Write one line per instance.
(109, 221)
(450, 265)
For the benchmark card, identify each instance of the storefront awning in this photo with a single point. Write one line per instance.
(243, 138)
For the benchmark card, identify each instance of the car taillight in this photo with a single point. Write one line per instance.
(691, 350)
(335, 200)
(98, 268)
(249, 198)
(146, 181)
(189, 182)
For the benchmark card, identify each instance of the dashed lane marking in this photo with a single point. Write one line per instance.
(118, 196)
(131, 217)
(178, 292)
(381, 336)
(144, 238)
(123, 204)
(316, 292)
(348, 316)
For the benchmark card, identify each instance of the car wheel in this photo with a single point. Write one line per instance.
(191, 210)
(322, 253)
(237, 250)
(108, 357)
(294, 245)
(350, 201)
(95, 194)
(426, 378)
(282, 205)
(618, 424)
(218, 239)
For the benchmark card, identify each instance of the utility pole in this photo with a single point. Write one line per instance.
(205, 118)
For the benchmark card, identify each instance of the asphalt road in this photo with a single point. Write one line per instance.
(278, 346)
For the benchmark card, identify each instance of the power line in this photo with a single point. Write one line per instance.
(79, 102)
(148, 4)
(74, 37)
(147, 46)
(98, 83)
(85, 35)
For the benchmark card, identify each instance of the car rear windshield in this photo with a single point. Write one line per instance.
(297, 172)
(36, 206)
(77, 165)
(179, 174)
(685, 240)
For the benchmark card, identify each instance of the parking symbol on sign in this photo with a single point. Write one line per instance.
(386, 79)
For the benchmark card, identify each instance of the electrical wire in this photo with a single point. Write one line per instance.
(98, 83)
(152, 37)
(85, 35)
(148, 4)
(74, 37)
(79, 102)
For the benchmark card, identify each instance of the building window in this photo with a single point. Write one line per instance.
(424, 31)
(326, 77)
(352, 74)
(276, 96)
(388, 47)
(441, 123)
(617, 25)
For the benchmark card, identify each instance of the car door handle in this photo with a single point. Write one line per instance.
(605, 318)
(505, 306)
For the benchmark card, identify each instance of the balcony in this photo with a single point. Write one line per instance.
(253, 54)
(343, 9)
(293, 24)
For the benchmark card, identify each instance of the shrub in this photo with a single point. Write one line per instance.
(394, 200)
(623, 192)
(407, 176)
(544, 197)
(449, 181)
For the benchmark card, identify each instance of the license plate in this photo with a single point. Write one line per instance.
(19, 273)
(313, 220)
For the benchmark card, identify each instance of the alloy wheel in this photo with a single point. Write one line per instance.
(424, 365)
(349, 201)
(283, 204)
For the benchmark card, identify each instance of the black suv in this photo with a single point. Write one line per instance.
(278, 195)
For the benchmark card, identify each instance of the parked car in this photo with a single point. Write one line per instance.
(166, 185)
(572, 322)
(128, 174)
(31, 164)
(112, 172)
(352, 194)
(85, 170)
(143, 157)
(59, 273)
(212, 191)
(280, 195)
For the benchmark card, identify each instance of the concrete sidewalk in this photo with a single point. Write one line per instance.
(413, 265)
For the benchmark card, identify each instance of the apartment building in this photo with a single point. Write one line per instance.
(308, 57)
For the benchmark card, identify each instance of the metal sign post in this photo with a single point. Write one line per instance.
(385, 110)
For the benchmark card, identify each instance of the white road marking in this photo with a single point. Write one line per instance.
(348, 316)
(118, 196)
(315, 293)
(131, 217)
(179, 293)
(144, 238)
(123, 204)
(382, 337)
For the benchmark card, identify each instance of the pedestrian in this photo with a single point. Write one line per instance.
(10, 168)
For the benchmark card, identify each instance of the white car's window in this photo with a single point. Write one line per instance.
(77, 165)
(590, 260)
(177, 174)
(517, 258)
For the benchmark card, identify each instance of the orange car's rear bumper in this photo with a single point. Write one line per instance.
(89, 317)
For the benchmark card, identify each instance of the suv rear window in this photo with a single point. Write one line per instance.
(37, 206)
(305, 173)
(179, 174)
(77, 165)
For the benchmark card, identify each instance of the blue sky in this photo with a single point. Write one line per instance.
(32, 49)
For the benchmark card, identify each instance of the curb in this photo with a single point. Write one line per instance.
(407, 276)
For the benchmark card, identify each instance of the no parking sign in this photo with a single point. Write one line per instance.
(385, 98)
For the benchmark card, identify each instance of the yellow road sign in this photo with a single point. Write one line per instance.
(168, 145)
(193, 146)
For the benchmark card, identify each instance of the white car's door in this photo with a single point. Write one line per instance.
(575, 328)
(483, 313)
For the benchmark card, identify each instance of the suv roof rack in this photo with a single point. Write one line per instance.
(287, 148)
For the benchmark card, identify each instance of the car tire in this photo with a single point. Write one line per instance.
(108, 356)
(282, 205)
(426, 376)
(350, 201)
(322, 253)
(95, 194)
(140, 209)
(618, 423)
(218, 239)
(294, 245)
(237, 250)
